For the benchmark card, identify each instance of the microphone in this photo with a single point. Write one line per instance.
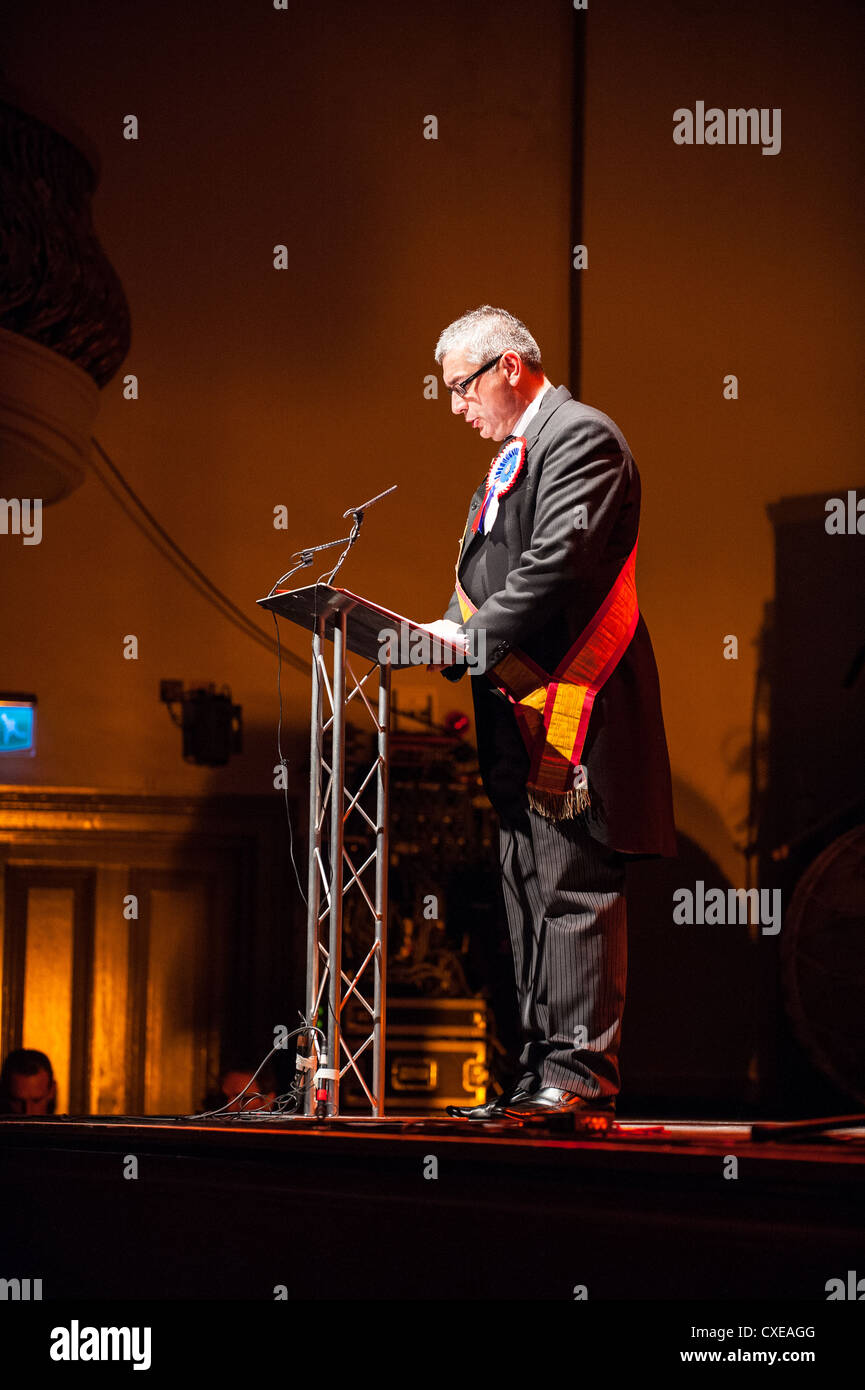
(357, 513)
(305, 557)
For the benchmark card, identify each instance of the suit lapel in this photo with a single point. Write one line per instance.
(474, 507)
(554, 397)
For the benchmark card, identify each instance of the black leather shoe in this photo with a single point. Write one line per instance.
(549, 1100)
(495, 1109)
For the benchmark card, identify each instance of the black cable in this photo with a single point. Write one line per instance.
(282, 761)
(172, 552)
(352, 537)
(302, 564)
(224, 1109)
(187, 568)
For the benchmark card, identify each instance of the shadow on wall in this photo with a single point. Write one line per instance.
(690, 1030)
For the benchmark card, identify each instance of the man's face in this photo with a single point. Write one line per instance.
(31, 1095)
(491, 405)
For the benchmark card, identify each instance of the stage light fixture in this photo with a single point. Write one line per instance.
(457, 723)
(212, 726)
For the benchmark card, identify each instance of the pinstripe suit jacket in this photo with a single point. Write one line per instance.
(537, 579)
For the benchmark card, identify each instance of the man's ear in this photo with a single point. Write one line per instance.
(512, 361)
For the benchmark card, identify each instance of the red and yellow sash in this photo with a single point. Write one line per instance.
(553, 711)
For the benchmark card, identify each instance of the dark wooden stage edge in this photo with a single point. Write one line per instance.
(357, 1209)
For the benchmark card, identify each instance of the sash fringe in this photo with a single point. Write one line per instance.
(559, 805)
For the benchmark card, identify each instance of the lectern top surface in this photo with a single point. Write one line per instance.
(368, 624)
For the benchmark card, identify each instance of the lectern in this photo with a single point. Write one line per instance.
(383, 640)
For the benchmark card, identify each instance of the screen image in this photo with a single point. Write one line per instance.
(17, 726)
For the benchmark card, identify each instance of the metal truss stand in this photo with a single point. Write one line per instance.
(333, 875)
(354, 625)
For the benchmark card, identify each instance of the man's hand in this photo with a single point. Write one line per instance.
(449, 632)
(443, 627)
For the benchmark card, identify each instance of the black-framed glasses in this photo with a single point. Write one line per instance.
(460, 386)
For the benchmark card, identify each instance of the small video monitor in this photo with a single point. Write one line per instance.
(18, 724)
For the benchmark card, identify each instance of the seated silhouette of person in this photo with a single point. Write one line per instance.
(27, 1085)
(233, 1095)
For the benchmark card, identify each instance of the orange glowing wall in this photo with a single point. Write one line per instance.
(305, 387)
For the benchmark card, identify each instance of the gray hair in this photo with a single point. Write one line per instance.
(487, 332)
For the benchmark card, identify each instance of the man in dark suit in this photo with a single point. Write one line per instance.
(546, 558)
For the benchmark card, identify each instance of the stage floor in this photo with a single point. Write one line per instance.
(129, 1207)
(829, 1141)
(848, 1131)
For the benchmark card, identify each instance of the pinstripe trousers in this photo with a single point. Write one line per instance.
(565, 904)
(564, 895)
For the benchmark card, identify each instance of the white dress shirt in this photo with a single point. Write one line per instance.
(519, 428)
(530, 411)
